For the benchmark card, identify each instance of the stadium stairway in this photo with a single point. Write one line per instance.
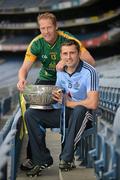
(53, 173)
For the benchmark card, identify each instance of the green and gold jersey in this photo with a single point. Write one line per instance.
(48, 55)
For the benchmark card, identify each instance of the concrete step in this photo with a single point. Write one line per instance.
(79, 173)
(53, 173)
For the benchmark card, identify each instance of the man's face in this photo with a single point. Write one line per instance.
(70, 55)
(48, 30)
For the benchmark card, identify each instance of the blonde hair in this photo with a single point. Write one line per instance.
(47, 15)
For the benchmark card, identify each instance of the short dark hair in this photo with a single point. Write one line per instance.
(70, 43)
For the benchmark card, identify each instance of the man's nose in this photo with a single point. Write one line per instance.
(46, 30)
(68, 55)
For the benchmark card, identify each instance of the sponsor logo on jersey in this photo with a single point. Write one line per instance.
(44, 56)
(53, 55)
(76, 85)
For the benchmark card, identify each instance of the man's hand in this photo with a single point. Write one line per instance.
(69, 102)
(21, 84)
(60, 66)
(57, 96)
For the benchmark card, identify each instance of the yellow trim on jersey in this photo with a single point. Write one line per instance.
(82, 48)
(32, 58)
(29, 56)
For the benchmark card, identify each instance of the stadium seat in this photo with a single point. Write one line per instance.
(117, 154)
(110, 158)
(100, 148)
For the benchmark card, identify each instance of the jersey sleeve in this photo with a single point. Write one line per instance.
(69, 36)
(92, 81)
(33, 50)
(29, 56)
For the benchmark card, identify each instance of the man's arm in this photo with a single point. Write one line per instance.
(22, 75)
(86, 56)
(91, 102)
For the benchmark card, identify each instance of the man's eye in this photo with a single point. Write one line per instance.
(49, 27)
(42, 28)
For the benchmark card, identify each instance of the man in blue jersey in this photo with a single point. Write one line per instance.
(80, 83)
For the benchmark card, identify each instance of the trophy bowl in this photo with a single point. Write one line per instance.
(39, 96)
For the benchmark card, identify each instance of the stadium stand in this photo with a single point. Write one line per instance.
(97, 25)
(82, 25)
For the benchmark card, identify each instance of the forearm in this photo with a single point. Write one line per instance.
(86, 56)
(22, 74)
(88, 103)
(91, 61)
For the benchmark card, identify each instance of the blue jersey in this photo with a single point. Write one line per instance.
(78, 84)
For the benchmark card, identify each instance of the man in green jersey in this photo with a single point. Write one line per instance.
(46, 48)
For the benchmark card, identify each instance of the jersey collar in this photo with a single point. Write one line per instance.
(78, 68)
(53, 45)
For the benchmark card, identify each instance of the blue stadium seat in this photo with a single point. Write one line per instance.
(117, 154)
(110, 158)
(106, 155)
(109, 102)
(100, 148)
(7, 105)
